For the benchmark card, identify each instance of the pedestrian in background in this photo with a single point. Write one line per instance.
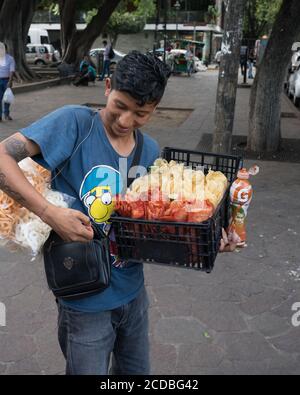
(106, 64)
(87, 73)
(189, 56)
(244, 59)
(218, 57)
(251, 59)
(7, 70)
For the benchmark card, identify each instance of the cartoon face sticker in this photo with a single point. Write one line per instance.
(100, 204)
(99, 187)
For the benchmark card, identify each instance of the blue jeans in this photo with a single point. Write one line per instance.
(106, 67)
(250, 71)
(3, 86)
(88, 340)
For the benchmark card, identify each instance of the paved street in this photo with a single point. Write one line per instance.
(236, 320)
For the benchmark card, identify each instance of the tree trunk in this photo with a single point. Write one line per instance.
(228, 76)
(265, 100)
(67, 12)
(15, 20)
(113, 39)
(80, 42)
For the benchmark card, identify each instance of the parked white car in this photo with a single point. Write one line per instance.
(53, 52)
(293, 86)
(118, 56)
(41, 54)
(295, 60)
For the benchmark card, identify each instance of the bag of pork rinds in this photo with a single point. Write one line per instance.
(20, 228)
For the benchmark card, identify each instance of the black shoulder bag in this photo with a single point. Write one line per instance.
(75, 270)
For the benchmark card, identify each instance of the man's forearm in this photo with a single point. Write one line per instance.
(13, 181)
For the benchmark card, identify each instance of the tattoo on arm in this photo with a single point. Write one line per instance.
(7, 189)
(16, 149)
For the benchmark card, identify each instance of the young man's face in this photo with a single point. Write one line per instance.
(122, 113)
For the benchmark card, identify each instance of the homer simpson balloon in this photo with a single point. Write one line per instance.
(98, 188)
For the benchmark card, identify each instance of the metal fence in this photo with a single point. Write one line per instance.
(181, 17)
(49, 17)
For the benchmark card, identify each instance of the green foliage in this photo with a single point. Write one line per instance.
(46, 5)
(212, 14)
(266, 10)
(260, 16)
(82, 5)
(123, 21)
(145, 8)
(129, 17)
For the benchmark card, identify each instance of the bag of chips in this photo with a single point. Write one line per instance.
(18, 226)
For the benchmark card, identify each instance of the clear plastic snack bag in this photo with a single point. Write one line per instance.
(20, 228)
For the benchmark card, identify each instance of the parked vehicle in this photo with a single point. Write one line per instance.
(174, 56)
(41, 54)
(159, 52)
(295, 60)
(293, 86)
(96, 51)
(53, 52)
(292, 83)
(38, 36)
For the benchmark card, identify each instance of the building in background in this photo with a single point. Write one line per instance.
(189, 20)
(175, 19)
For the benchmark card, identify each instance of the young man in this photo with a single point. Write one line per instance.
(106, 60)
(7, 70)
(86, 147)
(114, 321)
(189, 58)
(87, 73)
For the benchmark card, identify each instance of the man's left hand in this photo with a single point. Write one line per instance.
(10, 84)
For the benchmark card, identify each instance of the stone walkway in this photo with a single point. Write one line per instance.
(236, 320)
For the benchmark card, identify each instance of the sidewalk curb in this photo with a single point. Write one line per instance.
(41, 85)
(244, 86)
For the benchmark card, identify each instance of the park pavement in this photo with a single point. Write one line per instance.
(235, 320)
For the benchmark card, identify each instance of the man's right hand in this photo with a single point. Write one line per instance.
(69, 224)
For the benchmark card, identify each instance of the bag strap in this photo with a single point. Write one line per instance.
(135, 161)
(137, 155)
(59, 171)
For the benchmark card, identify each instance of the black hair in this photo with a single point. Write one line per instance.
(104, 42)
(142, 76)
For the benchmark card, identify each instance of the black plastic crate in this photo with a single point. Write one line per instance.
(179, 244)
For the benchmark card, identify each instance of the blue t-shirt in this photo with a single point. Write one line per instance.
(73, 140)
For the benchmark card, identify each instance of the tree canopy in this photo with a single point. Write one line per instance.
(259, 17)
(16, 17)
(129, 17)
